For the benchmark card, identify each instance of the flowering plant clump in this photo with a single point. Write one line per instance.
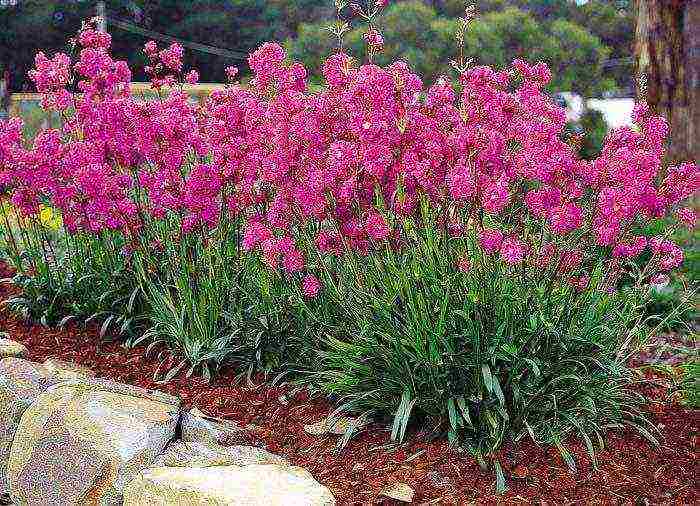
(434, 252)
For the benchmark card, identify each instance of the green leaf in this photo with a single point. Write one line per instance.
(565, 454)
(464, 409)
(486, 373)
(452, 414)
(402, 416)
(173, 372)
(105, 326)
(64, 321)
(501, 487)
(132, 300)
(497, 390)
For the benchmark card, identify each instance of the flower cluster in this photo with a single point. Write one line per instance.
(51, 76)
(349, 164)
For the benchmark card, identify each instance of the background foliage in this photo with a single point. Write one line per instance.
(574, 39)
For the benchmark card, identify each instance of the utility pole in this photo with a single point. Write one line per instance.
(101, 16)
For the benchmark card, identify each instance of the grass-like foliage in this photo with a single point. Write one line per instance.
(486, 352)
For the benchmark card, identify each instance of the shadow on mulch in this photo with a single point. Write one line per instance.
(630, 470)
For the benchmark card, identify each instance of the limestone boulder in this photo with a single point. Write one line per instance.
(254, 485)
(21, 382)
(66, 371)
(191, 454)
(10, 348)
(82, 441)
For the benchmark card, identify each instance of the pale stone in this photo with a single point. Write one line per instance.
(21, 382)
(254, 485)
(66, 371)
(82, 441)
(191, 454)
(10, 348)
(398, 491)
(200, 428)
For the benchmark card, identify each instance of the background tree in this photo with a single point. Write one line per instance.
(668, 62)
(612, 21)
(574, 39)
(415, 33)
(412, 32)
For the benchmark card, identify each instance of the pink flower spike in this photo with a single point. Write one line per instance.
(293, 261)
(688, 217)
(311, 286)
(377, 227)
(374, 39)
(150, 48)
(490, 240)
(231, 73)
(513, 250)
(192, 77)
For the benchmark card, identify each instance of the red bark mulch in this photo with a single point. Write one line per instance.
(630, 471)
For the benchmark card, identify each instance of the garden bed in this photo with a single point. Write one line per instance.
(630, 469)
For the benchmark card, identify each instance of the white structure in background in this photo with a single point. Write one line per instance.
(616, 111)
(574, 105)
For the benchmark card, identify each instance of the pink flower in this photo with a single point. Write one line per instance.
(513, 250)
(374, 39)
(376, 226)
(329, 242)
(192, 77)
(271, 253)
(266, 63)
(337, 69)
(546, 255)
(634, 249)
(150, 48)
(566, 218)
(659, 280)
(495, 198)
(580, 283)
(570, 261)
(668, 253)
(92, 38)
(490, 240)
(171, 57)
(687, 217)
(255, 234)
(231, 73)
(285, 162)
(293, 261)
(540, 202)
(51, 76)
(681, 182)
(461, 183)
(311, 286)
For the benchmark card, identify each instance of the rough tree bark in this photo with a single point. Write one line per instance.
(667, 51)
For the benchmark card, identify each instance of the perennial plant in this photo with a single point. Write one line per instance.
(422, 252)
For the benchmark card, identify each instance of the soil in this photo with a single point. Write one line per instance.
(630, 469)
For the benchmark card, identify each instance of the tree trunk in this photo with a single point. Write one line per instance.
(692, 30)
(667, 50)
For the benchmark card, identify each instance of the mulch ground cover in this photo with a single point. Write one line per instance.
(630, 469)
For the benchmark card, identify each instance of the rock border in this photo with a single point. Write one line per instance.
(111, 437)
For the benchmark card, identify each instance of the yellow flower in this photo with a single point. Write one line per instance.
(49, 218)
